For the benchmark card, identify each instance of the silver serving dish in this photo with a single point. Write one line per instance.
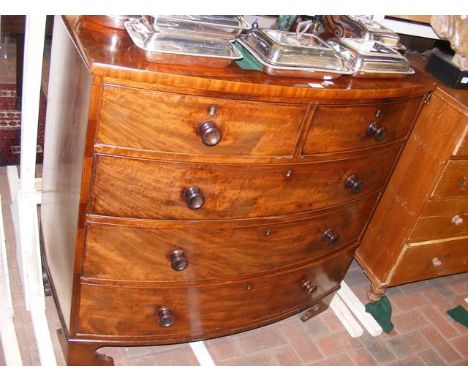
(286, 49)
(367, 29)
(369, 58)
(180, 49)
(218, 26)
(294, 71)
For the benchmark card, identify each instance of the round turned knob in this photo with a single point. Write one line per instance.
(354, 183)
(178, 260)
(376, 131)
(331, 236)
(194, 199)
(210, 133)
(457, 220)
(165, 317)
(309, 288)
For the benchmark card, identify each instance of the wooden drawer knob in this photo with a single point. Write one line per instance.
(194, 198)
(309, 287)
(178, 260)
(354, 183)
(209, 133)
(165, 317)
(331, 236)
(376, 131)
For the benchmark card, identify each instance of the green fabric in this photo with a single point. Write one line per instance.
(285, 22)
(460, 315)
(248, 61)
(382, 312)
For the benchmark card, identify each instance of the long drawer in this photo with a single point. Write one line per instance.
(454, 180)
(432, 259)
(179, 313)
(441, 219)
(179, 190)
(175, 251)
(343, 128)
(196, 125)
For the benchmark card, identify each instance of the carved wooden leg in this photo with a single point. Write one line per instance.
(83, 353)
(375, 292)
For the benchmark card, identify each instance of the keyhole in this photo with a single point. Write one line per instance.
(462, 183)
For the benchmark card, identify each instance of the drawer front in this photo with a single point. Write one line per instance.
(185, 252)
(436, 258)
(172, 190)
(441, 219)
(173, 123)
(343, 128)
(454, 180)
(210, 309)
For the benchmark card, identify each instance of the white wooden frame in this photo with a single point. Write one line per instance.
(24, 193)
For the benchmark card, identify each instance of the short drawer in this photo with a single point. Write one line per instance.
(432, 259)
(454, 180)
(176, 123)
(207, 310)
(441, 219)
(343, 128)
(182, 190)
(174, 251)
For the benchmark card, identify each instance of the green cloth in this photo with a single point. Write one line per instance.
(248, 61)
(382, 312)
(460, 315)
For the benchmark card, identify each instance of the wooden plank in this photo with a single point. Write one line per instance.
(359, 310)
(346, 318)
(8, 337)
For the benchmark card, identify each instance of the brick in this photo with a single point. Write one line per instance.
(460, 286)
(302, 342)
(332, 322)
(461, 345)
(142, 351)
(286, 356)
(356, 277)
(408, 321)
(362, 358)
(261, 339)
(431, 358)
(440, 321)
(409, 301)
(447, 352)
(378, 349)
(178, 356)
(340, 360)
(256, 359)
(223, 348)
(408, 344)
(411, 361)
(337, 343)
(432, 335)
(315, 327)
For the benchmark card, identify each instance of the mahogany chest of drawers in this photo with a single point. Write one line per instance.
(420, 229)
(187, 203)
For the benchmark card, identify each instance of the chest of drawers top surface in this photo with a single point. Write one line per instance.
(111, 53)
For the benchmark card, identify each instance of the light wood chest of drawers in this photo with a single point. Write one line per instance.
(187, 203)
(420, 229)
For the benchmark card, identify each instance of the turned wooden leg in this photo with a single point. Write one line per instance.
(83, 353)
(375, 293)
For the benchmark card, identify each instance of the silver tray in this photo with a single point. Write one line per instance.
(282, 49)
(369, 58)
(218, 26)
(294, 71)
(368, 29)
(180, 49)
